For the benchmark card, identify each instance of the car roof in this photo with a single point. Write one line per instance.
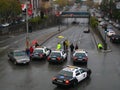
(18, 50)
(80, 51)
(116, 36)
(57, 51)
(71, 68)
(39, 48)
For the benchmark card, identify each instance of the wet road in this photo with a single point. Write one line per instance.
(37, 76)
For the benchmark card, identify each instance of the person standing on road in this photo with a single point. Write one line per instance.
(58, 46)
(100, 46)
(64, 45)
(76, 47)
(36, 44)
(28, 51)
(31, 49)
(67, 44)
(71, 47)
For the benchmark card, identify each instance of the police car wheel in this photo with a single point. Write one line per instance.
(15, 62)
(75, 83)
(74, 63)
(88, 73)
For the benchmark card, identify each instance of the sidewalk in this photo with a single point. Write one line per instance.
(97, 40)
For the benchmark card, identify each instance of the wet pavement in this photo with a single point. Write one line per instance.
(37, 76)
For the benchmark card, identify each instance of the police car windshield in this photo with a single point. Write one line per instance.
(55, 54)
(80, 54)
(20, 53)
(66, 73)
(38, 51)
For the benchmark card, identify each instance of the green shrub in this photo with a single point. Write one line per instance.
(35, 20)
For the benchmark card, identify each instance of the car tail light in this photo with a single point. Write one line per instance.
(67, 81)
(113, 38)
(74, 58)
(41, 55)
(54, 78)
(58, 58)
(85, 58)
(48, 58)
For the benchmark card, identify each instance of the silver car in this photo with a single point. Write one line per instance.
(19, 57)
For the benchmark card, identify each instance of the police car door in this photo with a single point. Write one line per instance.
(47, 52)
(80, 75)
(83, 74)
(64, 55)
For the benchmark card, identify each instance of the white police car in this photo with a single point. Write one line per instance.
(40, 53)
(80, 56)
(71, 76)
(58, 56)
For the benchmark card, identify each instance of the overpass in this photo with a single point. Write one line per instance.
(78, 14)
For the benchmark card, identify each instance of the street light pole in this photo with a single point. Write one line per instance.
(105, 43)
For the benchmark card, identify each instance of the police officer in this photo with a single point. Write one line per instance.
(72, 47)
(76, 46)
(58, 46)
(100, 46)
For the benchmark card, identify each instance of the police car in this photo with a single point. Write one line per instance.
(40, 53)
(58, 56)
(71, 76)
(80, 56)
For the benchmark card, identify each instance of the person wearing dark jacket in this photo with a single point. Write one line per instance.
(36, 44)
(64, 45)
(72, 47)
(76, 47)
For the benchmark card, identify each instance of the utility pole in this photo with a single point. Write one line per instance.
(105, 43)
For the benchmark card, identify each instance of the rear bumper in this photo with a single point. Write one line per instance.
(37, 57)
(55, 61)
(79, 61)
(61, 84)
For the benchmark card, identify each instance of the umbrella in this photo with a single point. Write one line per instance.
(60, 37)
(34, 42)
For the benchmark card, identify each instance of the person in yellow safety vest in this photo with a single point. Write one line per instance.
(67, 44)
(100, 46)
(58, 46)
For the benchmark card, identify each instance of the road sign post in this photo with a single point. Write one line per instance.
(105, 43)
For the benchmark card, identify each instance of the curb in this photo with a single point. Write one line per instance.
(97, 40)
(57, 32)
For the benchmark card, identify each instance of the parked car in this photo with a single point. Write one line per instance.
(110, 32)
(117, 26)
(115, 39)
(71, 76)
(80, 56)
(19, 57)
(40, 53)
(106, 18)
(110, 22)
(5, 25)
(57, 56)
(109, 27)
